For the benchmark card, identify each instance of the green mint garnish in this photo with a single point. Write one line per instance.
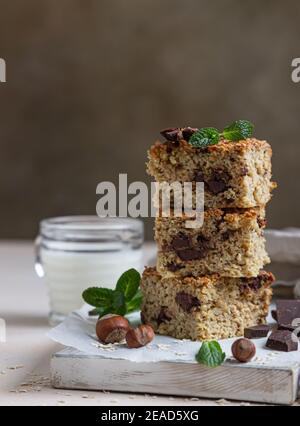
(211, 354)
(205, 137)
(126, 297)
(241, 129)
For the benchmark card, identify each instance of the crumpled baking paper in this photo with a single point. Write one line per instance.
(78, 332)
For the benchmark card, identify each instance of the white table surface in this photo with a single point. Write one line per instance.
(25, 357)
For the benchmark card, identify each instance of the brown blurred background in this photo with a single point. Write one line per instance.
(91, 83)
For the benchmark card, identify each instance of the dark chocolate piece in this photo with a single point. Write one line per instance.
(217, 186)
(293, 328)
(251, 284)
(163, 316)
(190, 254)
(218, 182)
(188, 132)
(187, 302)
(274, 315)
(257, 332)
(172, 134)
(287, 311)
(181, 242)
(282, 341)
(173, 267)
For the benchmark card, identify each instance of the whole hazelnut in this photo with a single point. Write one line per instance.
(243, 350)
(112, 329)
(139, 337)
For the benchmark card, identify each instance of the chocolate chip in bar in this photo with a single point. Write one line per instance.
(217, 186)
(282, 341)
(287, 312)
(257, 332)
(163, 316)
(187, 302)
(181, 242)
(218, 182)
(188, 255)
(174, 267)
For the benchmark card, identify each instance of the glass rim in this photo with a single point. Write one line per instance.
(88, 226)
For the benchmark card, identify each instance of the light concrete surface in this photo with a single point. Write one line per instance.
(24, 358)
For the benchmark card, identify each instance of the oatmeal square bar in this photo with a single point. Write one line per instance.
(230, 243)
(235, 174)
(204, 308)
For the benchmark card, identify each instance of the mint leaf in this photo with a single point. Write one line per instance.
(211, 354)
(135, 303)
(118, 305)
(241, 129)
(126, 297)
(205, 137)
(129, 283)
(98, 297)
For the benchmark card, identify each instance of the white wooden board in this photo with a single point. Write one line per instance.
(71, 369)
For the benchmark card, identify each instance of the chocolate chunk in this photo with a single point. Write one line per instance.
(190, 254)
(290, 327)
(174, 267)
(172, 134)
(257, 332)
(216, 186)
(251, 284)
(187, 302)
(188, 132)
(274, 315)
(218, 182)
(287, 311)
(181, 242)
(163, 316)
(282, 340)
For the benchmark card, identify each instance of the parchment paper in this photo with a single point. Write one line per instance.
(78, 331)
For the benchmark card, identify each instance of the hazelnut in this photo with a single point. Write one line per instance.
(112, 329)
(139, 337)
(243, 350)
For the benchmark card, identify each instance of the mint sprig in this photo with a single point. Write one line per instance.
(205, 137)
(238, 130)
(211, 354)
(241, 129)
(123, 300)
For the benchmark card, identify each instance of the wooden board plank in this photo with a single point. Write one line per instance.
(71, 369)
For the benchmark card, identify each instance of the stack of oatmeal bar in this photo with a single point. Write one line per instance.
(209, 282)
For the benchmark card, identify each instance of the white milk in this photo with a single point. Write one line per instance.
(68, 274)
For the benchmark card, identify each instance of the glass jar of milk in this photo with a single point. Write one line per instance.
(74, 253)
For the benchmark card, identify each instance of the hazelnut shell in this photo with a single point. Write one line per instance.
(243, 350)
(139, 337)
(112, 329)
